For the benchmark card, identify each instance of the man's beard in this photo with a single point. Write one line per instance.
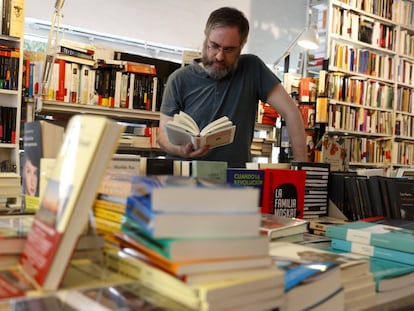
(217, 73)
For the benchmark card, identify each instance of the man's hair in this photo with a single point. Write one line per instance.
(228, 17)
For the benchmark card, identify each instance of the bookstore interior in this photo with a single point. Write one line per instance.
(79, 157)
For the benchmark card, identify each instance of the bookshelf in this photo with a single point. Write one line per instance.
(11, 57)
(96, 96)
(368, 59)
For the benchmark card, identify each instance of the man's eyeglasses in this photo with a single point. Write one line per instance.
(215, 48)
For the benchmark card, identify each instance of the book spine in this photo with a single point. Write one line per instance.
(60, 91)
(74, 88)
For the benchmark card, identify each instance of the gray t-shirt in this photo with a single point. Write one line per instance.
(193, 91)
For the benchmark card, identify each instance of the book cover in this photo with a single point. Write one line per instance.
(152, 277)
(373, 251)
(17, 12)
(211, 170)
(283, 192)
(245, 177)
(380, 235)
(401, 192)
(62, 216)
(274, 226)
(391, 275)
(351, 266)
(159, 166)
(183, 129)
(316, 187)
(126, 296)
(313, 281)
(41, 139)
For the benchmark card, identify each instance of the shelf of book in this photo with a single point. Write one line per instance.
(367, 65)
(11, 59)
(56, 108)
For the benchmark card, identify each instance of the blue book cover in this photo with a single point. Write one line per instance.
(300, 271)
(380, 235)
(142, 219)
(243, 177)
(373, 251)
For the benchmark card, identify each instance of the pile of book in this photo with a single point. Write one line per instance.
(344, 280)
(388, 245)
(113, 190)
(10, 187)
(198, 244)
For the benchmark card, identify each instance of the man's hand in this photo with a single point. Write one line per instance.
(189, 152)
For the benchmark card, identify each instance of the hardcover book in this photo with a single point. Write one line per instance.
(183, 129)
(283, 192)
(63, 213)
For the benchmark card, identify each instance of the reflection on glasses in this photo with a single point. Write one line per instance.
(215, 48)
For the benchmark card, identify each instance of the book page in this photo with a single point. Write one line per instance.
(218, 138)
(177, 135)
(185, 119)
(216, 125)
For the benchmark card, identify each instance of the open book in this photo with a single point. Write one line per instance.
(183, 129)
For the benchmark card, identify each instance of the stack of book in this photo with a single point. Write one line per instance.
(388, 245)
(113, 190)
(202, 240)
(283, 228)
(10, 187)
(355, 278)
(13, 234)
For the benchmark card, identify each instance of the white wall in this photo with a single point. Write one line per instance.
(274, 23)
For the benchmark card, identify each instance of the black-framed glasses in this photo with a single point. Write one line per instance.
(215, 48)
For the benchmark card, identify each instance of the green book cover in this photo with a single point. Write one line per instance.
(390, 274)
(386, 236)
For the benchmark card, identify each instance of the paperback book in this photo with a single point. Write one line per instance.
(63, 213)
(379, 235)
(275, 227)
(283, 192)
(183, 129)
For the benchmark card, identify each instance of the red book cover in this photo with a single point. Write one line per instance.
(60, 92)
(283, 192)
